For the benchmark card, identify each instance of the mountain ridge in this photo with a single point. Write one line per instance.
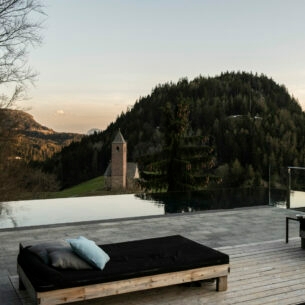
(33, 141)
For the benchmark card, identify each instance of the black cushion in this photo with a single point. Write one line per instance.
(127, 260)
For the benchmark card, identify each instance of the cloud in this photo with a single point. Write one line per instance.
(60, 112)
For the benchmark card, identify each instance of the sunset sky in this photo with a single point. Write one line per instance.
(98, 57)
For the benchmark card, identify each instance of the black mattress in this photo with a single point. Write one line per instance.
(127, 260)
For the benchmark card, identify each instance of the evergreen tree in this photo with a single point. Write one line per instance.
(184, 161)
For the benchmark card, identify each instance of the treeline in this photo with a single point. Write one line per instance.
(253, 122)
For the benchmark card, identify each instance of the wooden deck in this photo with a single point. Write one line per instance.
(261, 273)
(265, 273)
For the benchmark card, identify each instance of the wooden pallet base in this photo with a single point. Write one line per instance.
(67, 295)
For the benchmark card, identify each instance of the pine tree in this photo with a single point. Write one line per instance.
(185, 160)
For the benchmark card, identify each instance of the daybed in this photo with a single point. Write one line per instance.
(133, 266)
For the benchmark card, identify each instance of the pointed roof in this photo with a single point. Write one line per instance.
(119, 138)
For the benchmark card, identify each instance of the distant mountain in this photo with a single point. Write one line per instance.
(31, 140)
(93, 130)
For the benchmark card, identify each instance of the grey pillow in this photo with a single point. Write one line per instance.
(41, 249)
(65, 258)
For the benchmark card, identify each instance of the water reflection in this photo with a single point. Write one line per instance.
(181, 202)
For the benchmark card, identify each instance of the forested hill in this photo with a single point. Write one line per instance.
(253, 121)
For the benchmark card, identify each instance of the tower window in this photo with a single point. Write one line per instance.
(117, 148)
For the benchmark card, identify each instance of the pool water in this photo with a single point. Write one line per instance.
(77, 209)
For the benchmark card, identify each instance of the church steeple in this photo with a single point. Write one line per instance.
(118, 162)
(119, 138)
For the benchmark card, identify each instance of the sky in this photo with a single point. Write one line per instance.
(98, 57)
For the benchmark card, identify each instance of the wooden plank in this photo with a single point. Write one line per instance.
(222, 283)
(67, 295)
(253, 248)
(260, 268)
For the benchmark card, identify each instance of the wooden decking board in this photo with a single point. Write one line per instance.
(244, 269)
(283, 251)
(251, 265)
(267, 271)
(260, 295)
(287, 248)
(265, 246)
(268, 274)
(274, 285)
(279, 279)
(273, 298)
(260, 252)
(261, 285)
(289, 259)
(266, 268)
(267, 278)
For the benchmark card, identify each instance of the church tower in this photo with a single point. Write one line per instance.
(118, 162)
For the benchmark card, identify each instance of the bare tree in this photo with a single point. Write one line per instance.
(19, 29)
(20, 25)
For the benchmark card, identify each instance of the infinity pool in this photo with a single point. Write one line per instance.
(67, 210)
(78, 209)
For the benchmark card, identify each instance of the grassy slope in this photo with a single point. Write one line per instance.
(93, 187)
(90, 187)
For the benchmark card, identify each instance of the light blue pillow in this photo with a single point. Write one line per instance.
(89, 251)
